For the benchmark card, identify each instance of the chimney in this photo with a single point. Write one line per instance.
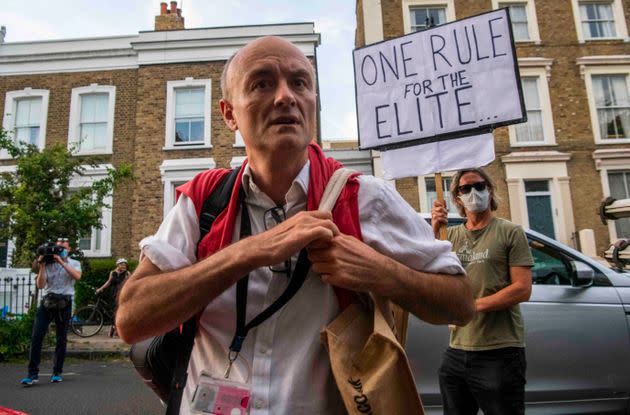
(3, 32)
(169, 19)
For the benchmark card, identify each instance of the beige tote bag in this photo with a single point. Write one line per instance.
(367, 359)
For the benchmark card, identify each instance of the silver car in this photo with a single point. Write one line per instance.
(577, 333)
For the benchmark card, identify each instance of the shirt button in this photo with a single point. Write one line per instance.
(264, 351)
(259, 403)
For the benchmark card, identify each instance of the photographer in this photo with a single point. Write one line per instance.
(56, 276)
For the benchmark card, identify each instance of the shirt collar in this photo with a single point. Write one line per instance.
(297, 192)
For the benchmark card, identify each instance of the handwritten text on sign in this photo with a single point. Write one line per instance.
(440, 82)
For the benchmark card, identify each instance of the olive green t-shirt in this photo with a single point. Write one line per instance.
(487, 255)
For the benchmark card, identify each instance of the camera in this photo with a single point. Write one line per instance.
(47, 251)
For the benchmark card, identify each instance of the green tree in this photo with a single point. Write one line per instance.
(36, 202)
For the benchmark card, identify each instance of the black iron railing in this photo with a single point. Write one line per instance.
(17, 294)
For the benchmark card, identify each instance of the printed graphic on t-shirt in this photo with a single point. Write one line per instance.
(468, 256)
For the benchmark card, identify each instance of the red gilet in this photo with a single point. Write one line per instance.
(345, 213)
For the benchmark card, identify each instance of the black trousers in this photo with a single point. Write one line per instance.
(43, 318)
(492, 380)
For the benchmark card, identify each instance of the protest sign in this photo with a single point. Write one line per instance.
(451, 81)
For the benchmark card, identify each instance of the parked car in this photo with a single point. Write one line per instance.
(577, 333)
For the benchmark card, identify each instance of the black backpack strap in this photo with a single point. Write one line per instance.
(214, 204)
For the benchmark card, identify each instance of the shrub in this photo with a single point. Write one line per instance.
(15, 335)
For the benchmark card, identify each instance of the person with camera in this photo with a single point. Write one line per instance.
(115, 280)
(56, 277)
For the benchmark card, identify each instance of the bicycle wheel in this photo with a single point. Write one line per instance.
(87, 321)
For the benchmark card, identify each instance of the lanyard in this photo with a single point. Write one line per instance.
(295, 282)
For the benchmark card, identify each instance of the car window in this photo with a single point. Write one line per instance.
(548, 269)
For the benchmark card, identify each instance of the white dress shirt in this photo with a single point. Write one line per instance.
(282, 360)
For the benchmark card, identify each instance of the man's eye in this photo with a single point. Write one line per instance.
(301, 83)
(262, 84)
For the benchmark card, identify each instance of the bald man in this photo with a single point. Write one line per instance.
(372, 241)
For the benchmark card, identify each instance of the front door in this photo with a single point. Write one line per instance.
(539, 209)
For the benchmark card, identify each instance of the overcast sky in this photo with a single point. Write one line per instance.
(334, 19)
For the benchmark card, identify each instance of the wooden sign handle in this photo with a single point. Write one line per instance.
(440, 196)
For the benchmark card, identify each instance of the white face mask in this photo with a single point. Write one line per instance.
(476, 201)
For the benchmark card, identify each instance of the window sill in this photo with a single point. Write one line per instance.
(90, 254)
(93, 153)
(534, 144)
(193, 147)
(615, 141)
(605, 39)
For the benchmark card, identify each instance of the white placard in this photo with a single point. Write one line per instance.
(449, 81)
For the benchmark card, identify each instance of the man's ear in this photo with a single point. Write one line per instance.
(228, 114)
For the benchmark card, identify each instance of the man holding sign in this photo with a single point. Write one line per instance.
(484, 366)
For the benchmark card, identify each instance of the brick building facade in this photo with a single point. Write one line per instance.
(574, 61)
(149, 99)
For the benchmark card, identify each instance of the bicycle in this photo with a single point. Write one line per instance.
(88, 320)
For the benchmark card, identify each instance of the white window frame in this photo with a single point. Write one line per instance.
(75, 118)
(90, 175)
(408, 4)
(607, 161)
(589, 71)
(171, 86)
(179, 171)
(549, 134)
(10, 108)
(532, 20)
(422, 190)
(620, 20)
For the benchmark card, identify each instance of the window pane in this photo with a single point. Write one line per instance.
(94, 107)
(619, 184)
(28, 112)
(518, 16)
(93, 136)
(182, 131)
(613, 105)
(432, 193)
(424, 17)
(189, 102)
(189, 130)
(85, 244)
(536, 185)
(196, 130)
(532, 130)
(548, 270)
(597, 20)
(33, 135)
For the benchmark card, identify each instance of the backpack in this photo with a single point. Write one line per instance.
(162, 360)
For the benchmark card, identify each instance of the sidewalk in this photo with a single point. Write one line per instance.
(95, 347)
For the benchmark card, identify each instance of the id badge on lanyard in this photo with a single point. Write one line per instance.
(215, 396)
(221, 396)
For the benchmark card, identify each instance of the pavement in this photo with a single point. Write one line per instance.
(95, 347)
